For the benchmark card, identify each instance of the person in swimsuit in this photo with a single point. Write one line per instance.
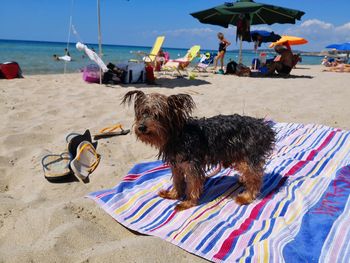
(223, 44)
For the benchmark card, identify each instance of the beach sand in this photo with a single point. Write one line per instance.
(45, 222)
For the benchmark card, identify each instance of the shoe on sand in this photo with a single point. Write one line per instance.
(85, 161)
(56, 167)
(111, 131)
(74, 139)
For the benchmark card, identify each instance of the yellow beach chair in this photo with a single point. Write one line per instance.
(181, 64)
(150, 57)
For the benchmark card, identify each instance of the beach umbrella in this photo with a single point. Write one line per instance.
(258, 13)
(340, 47)
(263, 36)
(344, 47)
(289, 40)
(99, 35)
(228, 14)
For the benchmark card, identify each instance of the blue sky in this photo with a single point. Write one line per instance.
(138, 22)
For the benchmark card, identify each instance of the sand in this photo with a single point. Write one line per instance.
(45, 222)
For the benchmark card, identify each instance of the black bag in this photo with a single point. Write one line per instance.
(110, 77)
(242, 70)
(231, 67)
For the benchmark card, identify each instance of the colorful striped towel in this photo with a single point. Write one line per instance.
(302, 214)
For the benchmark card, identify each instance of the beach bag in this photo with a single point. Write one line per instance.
(110, 77)
(231, 67)
(91, 73)
(242, 70)
(135, 72)
(10, 70)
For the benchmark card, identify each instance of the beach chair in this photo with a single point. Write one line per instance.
(150, 57)
(181, 64)
(206, 60)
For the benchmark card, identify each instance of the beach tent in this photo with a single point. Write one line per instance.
(230, 13)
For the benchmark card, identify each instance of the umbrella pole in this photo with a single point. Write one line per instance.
(240, 50)
(99, 36)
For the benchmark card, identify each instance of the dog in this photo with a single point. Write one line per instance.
(191, 145)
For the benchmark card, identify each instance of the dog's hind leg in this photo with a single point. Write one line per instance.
(179, 185)
(251, 178)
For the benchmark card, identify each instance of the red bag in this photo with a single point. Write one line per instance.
(10, 70)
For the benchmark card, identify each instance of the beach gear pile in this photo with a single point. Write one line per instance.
(301, 215)
(81, 157)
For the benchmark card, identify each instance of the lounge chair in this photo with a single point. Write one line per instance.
(150, 57)
(181, 64)
(206, 60)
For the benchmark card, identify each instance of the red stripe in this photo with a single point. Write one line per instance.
(311, 155)
(133, 177)
(323, 145)
(227, 244)
(172, 215)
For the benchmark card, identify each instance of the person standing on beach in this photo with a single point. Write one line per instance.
(223, 44)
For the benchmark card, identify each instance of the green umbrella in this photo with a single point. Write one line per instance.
(258, 13)
(228, 14)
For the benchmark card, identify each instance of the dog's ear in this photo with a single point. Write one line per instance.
(183, 103)
(137, 95)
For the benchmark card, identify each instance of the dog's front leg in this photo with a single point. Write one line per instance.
(194, 187)
(178, 190)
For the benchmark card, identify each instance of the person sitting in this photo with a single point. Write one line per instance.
(283, 63)
(160, 59)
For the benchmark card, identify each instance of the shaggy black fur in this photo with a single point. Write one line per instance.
(220, 140)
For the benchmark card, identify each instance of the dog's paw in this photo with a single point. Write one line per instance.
(168, 194)
(184, 205)
(244, 198)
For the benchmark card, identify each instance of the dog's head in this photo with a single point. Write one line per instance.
(158, 117)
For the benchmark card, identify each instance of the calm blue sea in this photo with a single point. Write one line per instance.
(36, 57)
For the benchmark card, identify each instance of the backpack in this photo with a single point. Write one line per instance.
(231, 67)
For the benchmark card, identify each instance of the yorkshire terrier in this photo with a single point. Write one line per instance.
(191, 145)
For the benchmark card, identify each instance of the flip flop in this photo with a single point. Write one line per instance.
(85, 161)
(74, 139)
(111, 131)
(56, 167)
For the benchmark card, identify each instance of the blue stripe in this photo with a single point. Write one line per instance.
(146, 212)
(319, 219)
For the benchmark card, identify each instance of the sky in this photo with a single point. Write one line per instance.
(138, 22)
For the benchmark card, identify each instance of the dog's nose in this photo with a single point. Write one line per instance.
(142, 128)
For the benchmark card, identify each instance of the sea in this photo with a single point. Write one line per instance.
(36, 57)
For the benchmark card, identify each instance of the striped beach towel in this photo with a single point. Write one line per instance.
(302, 214)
